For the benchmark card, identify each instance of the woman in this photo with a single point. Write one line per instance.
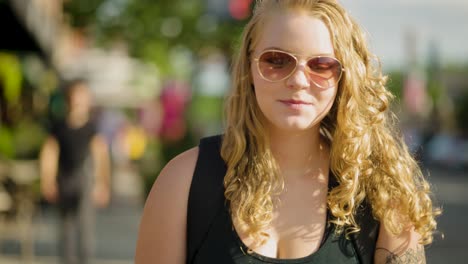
(308, 143)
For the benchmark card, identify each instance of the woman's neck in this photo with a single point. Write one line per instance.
(300, 154)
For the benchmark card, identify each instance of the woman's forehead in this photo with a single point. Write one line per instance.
(297, 32)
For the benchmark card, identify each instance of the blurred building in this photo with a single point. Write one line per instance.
(30, 25)
(39, 26)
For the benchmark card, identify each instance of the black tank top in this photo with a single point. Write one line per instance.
(74, 178)
(73, 144)
(221, 243)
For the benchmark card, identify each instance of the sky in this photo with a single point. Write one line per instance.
(442, 23)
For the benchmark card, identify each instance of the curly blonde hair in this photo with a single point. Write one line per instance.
(368, 157)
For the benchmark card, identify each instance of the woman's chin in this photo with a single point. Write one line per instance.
(295, 125)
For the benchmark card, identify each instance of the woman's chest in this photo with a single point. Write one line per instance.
(223, 245)
(297, 230)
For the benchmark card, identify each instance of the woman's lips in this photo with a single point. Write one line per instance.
(295, 104)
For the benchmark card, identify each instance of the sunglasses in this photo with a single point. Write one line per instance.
(276, 65)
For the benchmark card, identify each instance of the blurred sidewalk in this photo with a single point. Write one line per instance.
(116, 228)
(451, 192)
(450, 186)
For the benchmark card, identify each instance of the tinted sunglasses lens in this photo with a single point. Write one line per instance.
(325, 71)
(275, 66)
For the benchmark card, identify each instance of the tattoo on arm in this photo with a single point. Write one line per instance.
(410, 256)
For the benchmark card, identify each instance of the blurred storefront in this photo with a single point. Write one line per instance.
(39, 50)
(29, 32)
(30, 25)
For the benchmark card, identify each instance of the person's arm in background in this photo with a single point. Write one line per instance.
(48, 167)
(101, 163)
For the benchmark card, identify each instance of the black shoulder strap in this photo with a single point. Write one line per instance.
(364, 242)
(206, 194)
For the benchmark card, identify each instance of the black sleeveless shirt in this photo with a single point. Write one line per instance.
(218, 239)
(73, 143)
(73, 177)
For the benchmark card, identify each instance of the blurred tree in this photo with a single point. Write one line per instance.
(81, 13)
(10, 91)
(21, 133)
(434, 71)
(10, 78)
(7, 148)
(461, 111)
(155, 31)
(395, 84)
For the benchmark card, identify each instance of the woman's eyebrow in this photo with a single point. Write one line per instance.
(277, 48)
(286, 50)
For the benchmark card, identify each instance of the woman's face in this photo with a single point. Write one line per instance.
(295, 103)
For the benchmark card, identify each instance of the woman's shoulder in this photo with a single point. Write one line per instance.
(173, 183)
(161, 236)
(178, 172)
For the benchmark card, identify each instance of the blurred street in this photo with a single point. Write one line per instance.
(450, 188)
(116, 229)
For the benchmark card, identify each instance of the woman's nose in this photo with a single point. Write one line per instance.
(299, 78)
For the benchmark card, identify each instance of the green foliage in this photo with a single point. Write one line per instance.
(7, 148)
(461, 110)
(206, 108)
(457, 68)
(23, 141)
(395, 84)
(82, 13)
(28, 138)
(435, 90)
(10, 77)
(151, 29)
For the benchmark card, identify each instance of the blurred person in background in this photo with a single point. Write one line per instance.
(310, 168)
(75, 173)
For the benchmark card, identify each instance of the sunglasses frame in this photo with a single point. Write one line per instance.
(296, 56)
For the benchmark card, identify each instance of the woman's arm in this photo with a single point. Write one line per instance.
(404, 248)
(162, 235)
